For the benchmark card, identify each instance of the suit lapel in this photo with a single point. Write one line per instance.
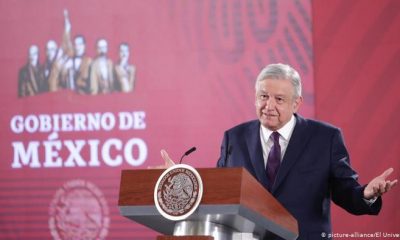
(255, 151)
(297, 143)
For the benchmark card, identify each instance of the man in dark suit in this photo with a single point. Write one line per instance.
(305, 164)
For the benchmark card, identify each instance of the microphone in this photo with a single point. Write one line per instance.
(187, 153)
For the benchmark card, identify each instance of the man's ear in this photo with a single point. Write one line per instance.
(297, 103)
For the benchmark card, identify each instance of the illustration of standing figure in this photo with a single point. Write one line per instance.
(50, 68)
(124, 72)
(30, 75)
(75, 74)
(101, 74)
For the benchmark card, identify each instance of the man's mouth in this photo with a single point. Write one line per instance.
(269, 115)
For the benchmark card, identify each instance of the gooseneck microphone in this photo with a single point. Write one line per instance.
(187, 153)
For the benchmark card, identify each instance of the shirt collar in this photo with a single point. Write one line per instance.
(285, 131)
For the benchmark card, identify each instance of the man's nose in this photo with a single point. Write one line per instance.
(270, 104)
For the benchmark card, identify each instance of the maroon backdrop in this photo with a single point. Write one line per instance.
(196, 62)
(357, 63)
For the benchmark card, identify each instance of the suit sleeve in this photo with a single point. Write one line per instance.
(346, 191)
(222, 161)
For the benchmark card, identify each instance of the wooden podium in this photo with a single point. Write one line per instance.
(233, 204)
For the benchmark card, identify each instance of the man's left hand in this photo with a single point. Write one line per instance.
(379, 185)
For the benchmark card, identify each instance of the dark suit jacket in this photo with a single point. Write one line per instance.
(315, 169)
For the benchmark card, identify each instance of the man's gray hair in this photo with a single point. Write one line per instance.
(281, 71)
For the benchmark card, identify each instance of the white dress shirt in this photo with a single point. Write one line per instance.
(284, 136)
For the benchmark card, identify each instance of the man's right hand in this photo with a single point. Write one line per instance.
(168, 162)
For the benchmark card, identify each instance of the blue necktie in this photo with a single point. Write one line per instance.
(274, 160)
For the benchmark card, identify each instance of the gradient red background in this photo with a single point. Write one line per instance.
(357, 65)
(196, 64)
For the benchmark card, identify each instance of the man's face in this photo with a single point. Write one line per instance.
(33, 55)
(276, 102)
(124, 52)
(79, 46)
(102, 47)
(51, 50)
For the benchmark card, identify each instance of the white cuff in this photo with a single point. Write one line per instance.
(370, 201)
